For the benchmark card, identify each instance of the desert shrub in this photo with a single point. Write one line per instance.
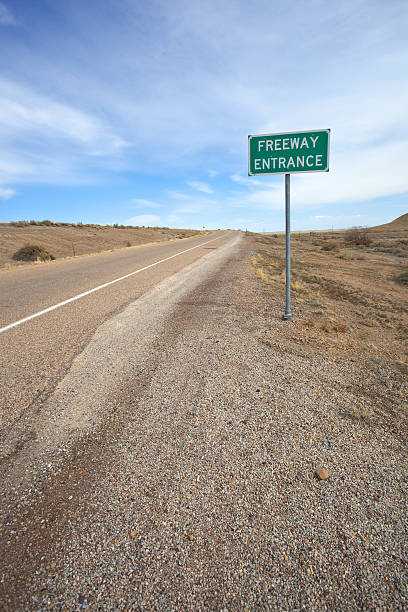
(346, 256)
(19, 223)
(32, 252)
(309, 323)
(331, 245)
(399, 252)
(128, 244)
(340, 328)
(357, 236)
(45, 222)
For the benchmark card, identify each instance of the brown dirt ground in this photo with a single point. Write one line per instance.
(58, 240)
(347, 303)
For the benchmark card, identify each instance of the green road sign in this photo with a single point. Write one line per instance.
(289, 153)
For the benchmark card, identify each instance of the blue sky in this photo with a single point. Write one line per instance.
(122, 111)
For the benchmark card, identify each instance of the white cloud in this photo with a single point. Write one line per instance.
(337, 217)
(194, 208)
(176, 195)
(147, 220)
(145, 203)
(25, 112)
(60, 141)
(6, 17)
(6, 193)
(237, 178)
(338, 221)
(245, 180)
(175, 219)
(355, 176)
(200, 186)
(172, 110)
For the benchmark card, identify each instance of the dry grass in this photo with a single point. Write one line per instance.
(63, 238)
(331, 245)
(402, 366)
(402, 278)
(357, 236)
(263, 275)
(32, 252)
(357, 412)
(297, 286)
(350, 303)
(339, 328)
(329, 326)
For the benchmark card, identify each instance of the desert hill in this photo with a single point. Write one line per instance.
(60, 239)
(400, 223)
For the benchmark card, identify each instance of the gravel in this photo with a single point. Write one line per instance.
(200, 492)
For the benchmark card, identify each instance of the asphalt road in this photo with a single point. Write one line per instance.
(37, 353)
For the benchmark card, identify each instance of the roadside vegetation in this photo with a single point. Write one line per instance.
(357, 236)
(402, 278)
(32, 252)
(74, 239)
(48, 223)
(350, 301)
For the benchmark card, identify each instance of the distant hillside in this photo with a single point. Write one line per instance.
(401, 223)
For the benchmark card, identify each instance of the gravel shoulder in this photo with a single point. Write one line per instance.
(35, 356)
(198, 490)
(83, 398)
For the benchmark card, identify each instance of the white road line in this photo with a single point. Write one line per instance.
(116, 280)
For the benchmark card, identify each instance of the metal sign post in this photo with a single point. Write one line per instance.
(288, 153)
(288, 315)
